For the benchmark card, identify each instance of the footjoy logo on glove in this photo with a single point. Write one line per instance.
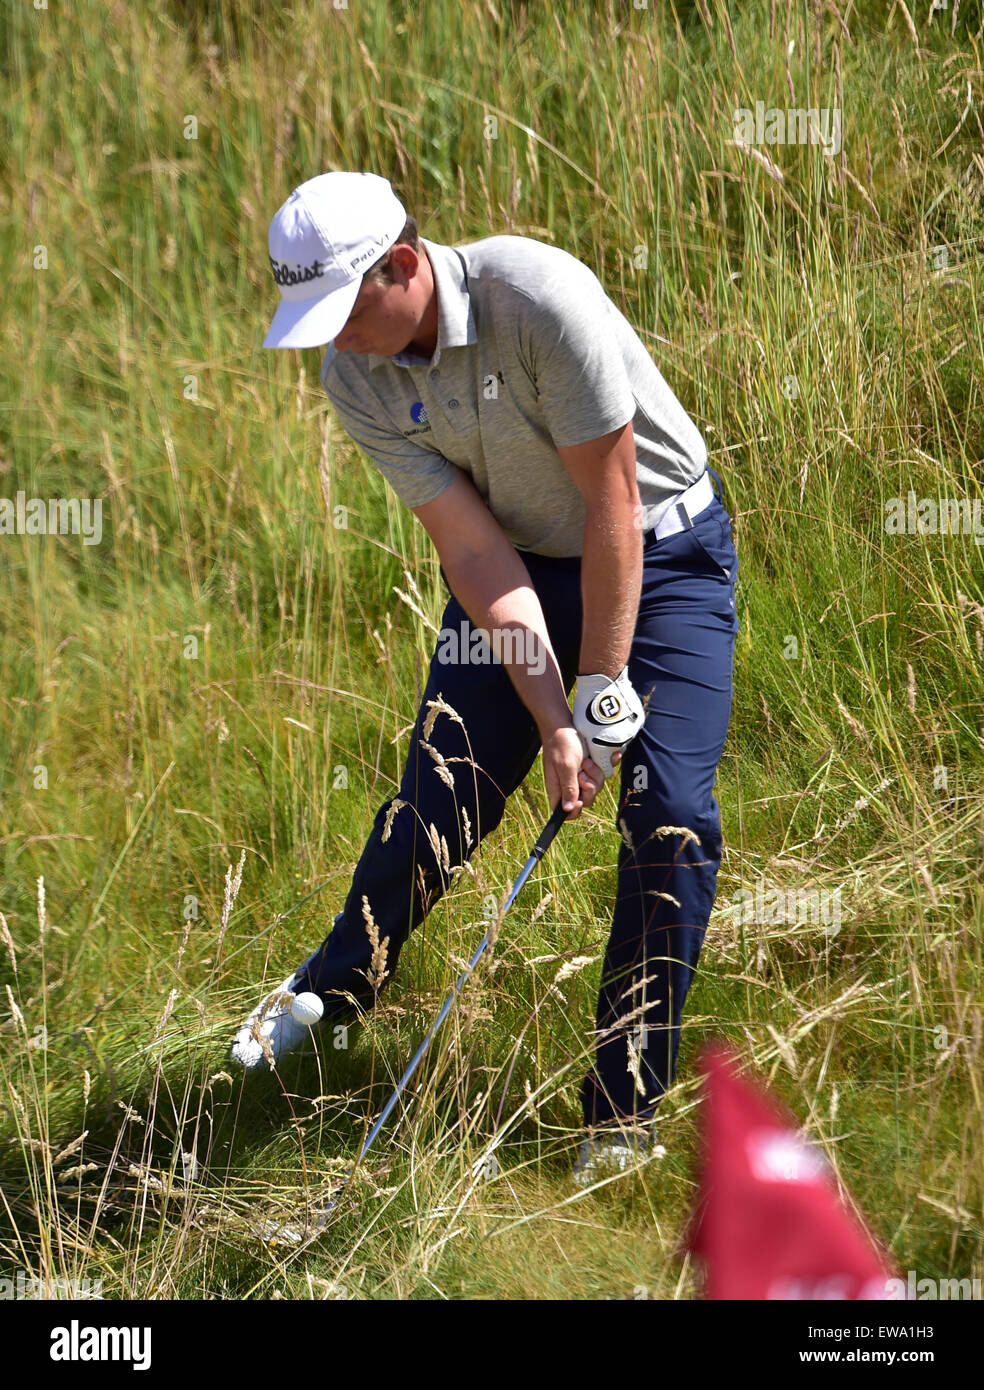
(607, 709)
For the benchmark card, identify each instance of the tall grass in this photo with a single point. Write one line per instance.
(201, 714)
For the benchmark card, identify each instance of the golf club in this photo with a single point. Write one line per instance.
(295, 1234)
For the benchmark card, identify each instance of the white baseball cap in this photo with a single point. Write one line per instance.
(323, 239)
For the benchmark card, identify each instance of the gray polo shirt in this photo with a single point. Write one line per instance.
(531, 354)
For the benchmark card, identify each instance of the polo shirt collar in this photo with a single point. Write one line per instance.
(455, 319)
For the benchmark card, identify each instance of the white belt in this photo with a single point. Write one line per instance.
(679, 515)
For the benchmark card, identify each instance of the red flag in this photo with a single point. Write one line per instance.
(769, 1222)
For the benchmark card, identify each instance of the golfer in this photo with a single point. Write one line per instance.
(514, 410)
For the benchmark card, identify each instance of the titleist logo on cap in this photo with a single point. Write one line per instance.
(283, 274)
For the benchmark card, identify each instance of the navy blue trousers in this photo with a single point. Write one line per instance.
(681, 666)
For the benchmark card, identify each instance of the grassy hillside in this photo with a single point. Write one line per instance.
(225, 683)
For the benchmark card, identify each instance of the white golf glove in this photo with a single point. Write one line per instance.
(607, 714)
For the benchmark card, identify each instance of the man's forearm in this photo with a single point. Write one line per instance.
(611, 582)
(496, 592)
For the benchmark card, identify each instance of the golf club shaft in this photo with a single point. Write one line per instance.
(539, 850)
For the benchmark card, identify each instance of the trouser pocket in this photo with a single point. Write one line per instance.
(712, 533)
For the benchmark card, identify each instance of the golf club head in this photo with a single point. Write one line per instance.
(298, 1231)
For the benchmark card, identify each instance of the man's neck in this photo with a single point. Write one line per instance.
(425, 343)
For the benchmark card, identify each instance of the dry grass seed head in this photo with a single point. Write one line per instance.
(436, 707)
(232, 886)
(395, 806)
(71, 1148)
(441, 768)
(78, 1172)
(377, 971)
(8, 941)
(685, 831)
(634, 1063)
(15, 1012)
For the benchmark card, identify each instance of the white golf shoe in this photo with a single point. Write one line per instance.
(606, 1155)
(271, 1032)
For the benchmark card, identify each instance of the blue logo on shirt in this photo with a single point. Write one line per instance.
(418, 414)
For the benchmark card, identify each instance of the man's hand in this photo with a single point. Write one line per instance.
(607, 714)
(569, 775)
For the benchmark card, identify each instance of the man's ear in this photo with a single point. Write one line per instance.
(404, 262)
